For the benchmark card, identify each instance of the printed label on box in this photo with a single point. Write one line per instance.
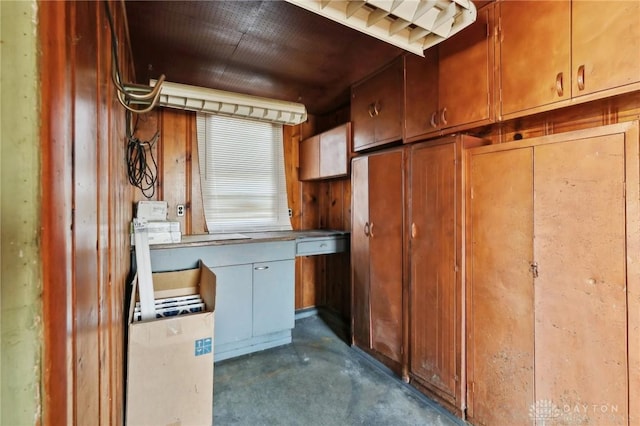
(203, 346)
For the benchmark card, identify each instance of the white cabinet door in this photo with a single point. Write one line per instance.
(233, 321)
(273, 297)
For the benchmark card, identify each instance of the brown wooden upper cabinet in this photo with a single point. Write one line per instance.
(326, 155)
(452, 86)
(562, 50)
(376, 108)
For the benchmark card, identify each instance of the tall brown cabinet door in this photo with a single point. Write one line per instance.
(433, 254)
(580, 291)
(500, 319)
(385, 247)
(376, 254)
(361, 323)
(569, 203)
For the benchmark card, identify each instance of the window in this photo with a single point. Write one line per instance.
(242, 171)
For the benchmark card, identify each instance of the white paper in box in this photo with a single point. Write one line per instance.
(170, 360)
(152, 210)
(163, 226)
(160, 238)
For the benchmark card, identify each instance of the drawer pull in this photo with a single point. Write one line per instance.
(443, 116)
(323, 245)
(261, 268)
(366, 229)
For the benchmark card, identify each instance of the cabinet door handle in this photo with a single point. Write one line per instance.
(433, 122)
(374, 109)
(414, 230)
(581, 77)
(559, 88)
(366, 229)
(443, 116)
(261, 268)
(371, 229)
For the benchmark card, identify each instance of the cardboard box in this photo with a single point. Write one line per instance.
(170, 360)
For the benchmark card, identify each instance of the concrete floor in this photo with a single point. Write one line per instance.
(316, 380)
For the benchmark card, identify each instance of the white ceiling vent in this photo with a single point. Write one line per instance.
(413, 25)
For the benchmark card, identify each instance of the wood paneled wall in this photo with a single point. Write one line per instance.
(176, 153)
(86, 210)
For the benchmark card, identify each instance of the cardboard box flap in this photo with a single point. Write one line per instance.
(208, 286)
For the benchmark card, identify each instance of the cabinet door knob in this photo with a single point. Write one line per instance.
(559, 88)
(371, 111)
(261, 268)
(581, 77)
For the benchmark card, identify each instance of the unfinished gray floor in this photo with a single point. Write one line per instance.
(316, 380)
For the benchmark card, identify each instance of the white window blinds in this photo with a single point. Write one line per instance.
(242, 174)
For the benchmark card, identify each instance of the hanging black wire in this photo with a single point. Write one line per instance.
(142, 168)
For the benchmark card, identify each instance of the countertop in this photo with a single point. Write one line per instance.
(250, 237)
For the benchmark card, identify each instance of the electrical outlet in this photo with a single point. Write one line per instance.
(290, 212)
(180, 210)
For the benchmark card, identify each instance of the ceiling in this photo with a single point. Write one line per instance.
(264, 48)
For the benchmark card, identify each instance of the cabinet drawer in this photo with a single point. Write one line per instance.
(321, 246)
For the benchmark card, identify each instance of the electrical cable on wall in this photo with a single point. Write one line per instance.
(142, 169)
(136, 98)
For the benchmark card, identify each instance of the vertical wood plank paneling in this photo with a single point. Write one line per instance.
(87, 203)
(102, 207)
(174, 150)
(309, 286)
(56, 218)
(85, 181)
